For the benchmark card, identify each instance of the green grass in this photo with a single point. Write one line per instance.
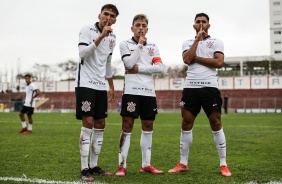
(51, 152)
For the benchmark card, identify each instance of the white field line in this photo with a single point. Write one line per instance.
(155, 124)
(36, 180)
(271, 182)
(80, 182)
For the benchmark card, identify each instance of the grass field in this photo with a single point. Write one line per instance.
(51, 152)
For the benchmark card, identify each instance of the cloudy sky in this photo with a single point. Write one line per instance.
(46, 31)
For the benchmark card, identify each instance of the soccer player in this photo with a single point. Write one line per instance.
(96, 44)
(203, 55)
(141, 59)
(31, 92)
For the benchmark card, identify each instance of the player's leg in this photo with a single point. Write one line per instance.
(124, 144)
(22, 112)
(85, 112)
(84, 144)
(100, 113)
(129, 112)
(190, 107)
(148, 112)
(212, 103)
(29, 113)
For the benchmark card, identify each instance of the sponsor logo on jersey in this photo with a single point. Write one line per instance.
(131, 107)
(142, 89)
(200, 83)
(86, 106)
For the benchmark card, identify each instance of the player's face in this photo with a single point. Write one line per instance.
(27, 80)
(139, 28)
(107, 17)
(201, 22)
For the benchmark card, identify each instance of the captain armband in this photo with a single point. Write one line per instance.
(156, 60)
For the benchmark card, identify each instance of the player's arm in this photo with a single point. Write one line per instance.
(109, 77)
(216, 62)
(129, 59)
(190, 54)
(37, 92)
(86, 49)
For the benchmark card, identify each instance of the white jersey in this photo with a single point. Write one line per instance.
(147, 57)
(198, 75)
(29, 92)
(95, 61)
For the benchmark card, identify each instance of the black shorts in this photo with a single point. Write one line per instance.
(135, 105)
(91, 102)
(28, 110)
(194, 98)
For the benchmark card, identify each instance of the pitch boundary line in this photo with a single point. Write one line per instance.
(36, 180)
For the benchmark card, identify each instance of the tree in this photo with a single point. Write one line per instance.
(68, 70)
(43, 72)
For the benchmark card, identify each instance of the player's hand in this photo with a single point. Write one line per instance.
(133, 70)
(142, 39)
(107, 29)
(112, 98)
(201, 34)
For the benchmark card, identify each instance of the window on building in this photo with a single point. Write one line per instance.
(277, 22)
(277, 42)
(276, 13)
(277, 32)
(277, 52)
(276, 3)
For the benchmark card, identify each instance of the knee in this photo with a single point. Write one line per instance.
(99, 124)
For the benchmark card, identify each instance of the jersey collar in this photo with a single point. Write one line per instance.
(207, 37)
(97, 26)
(137, 42)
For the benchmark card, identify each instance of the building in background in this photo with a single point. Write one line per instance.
(275, 21)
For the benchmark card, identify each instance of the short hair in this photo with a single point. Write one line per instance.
(112, 7)
(202, 15)
(140, 17)
(27, 75)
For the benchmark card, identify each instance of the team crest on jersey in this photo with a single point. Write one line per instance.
(86, 106)
(210, 44)
(131, 107)
(112, 43)
(181, 104)
(150, 51)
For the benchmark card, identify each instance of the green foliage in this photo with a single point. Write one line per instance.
(51, 152)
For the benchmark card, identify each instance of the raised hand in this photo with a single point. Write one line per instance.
(142, 39)
(107, 29)
(201, 34)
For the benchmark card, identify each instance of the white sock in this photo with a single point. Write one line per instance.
(220, 143)
(29, 127)
(23, 124)
(96, 145)
(146, 144)
(185, 143)
(124, 143)
(84, 143)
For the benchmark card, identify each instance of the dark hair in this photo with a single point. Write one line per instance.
(27, 75)
(140, 17)
(112, 7)
(202, 15)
